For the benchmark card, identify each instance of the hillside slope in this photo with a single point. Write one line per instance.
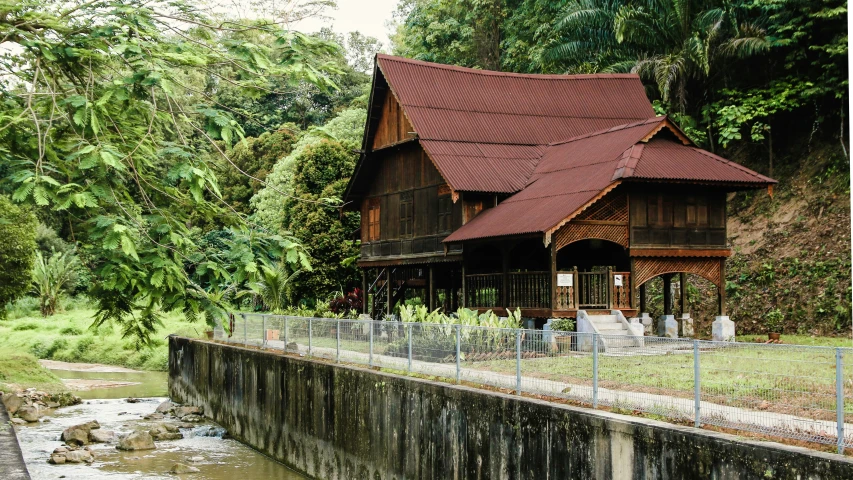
(791, 267)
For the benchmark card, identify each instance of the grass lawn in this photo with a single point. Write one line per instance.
(67, 337)
(22, 370)
(803, 340)
(782, 378)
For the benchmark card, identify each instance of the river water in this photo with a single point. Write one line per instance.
(221, 459)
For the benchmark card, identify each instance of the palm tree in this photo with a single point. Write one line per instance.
(271, 285)
(669, 42)
(51, 276)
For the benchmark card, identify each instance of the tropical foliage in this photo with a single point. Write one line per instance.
(51, 276)
(17, 251)
(109, 122)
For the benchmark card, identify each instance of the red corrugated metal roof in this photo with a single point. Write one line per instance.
(502, 113)
(572, 173)
(556, 141)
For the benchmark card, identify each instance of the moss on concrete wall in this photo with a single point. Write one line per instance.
(338, 422)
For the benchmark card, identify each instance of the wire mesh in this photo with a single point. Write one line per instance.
(789, 391)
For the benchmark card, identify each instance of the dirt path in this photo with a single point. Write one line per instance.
(85, 367)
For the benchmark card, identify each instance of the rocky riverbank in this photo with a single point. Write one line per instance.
(28, 406)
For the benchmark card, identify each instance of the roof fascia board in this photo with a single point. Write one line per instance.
(361, 157)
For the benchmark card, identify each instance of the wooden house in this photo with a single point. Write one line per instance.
(549, 193)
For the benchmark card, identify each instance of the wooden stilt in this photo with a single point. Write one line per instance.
(683, 290)
(643, 298)
(667, 294)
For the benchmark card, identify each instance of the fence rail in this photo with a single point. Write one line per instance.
(787, 391)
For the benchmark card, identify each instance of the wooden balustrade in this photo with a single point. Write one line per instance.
(584, 290)
(483, 290)
(529, 290)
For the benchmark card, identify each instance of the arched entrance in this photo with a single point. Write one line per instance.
(669, 268)
(593, 274)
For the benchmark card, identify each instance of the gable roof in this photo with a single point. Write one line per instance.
(484, 130)
(557, 142)
(573, 174)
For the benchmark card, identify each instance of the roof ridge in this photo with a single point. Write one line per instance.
(541, 76)
(583, 117)
(611, 129)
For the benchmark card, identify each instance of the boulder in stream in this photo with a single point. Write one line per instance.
(79, 434)
(12, 402)
(165, 431)
(136, 441)
(180, 468)
(28, 413)
(79, 456)
(165, 407)
(186, 410)
(102, 436)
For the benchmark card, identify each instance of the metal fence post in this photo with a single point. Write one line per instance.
(310, 334)
(594, 370)
(410, 348)
(839, 398)
(245, 330)
(264, 331)
(458, 354)
(338, 342)
(697, 398)
(370, 360)
(285, 334)
(518, 362)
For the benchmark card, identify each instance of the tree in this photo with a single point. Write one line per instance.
(51, 276)
(322, 171)
(256, 157)
(269, 210)
(104, 124)
(17, 251)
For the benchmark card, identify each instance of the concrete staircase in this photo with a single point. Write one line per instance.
(615, 336)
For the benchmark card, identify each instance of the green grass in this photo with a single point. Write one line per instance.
(803, 340)
(22, 370)
(67, 337)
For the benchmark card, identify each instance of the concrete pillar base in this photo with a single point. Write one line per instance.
(723, 329)
(686, 326)
(667, 326)
(648, 324)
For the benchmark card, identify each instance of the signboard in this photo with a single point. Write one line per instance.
(565, 280)
(617, 280)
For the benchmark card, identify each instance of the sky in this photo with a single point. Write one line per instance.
(366, 16)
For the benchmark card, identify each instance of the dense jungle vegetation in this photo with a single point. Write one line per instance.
(160, 158)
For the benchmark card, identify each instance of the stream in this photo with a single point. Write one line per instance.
(202, 446)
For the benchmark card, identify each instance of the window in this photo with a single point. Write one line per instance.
(445, 214)
(407, 214)
(373, 220)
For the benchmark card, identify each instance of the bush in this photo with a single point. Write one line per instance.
(25, 326)
(17, 251)
(350, 302)
(71, 331)
(51, 277)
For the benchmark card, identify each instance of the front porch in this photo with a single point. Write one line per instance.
(546, 294)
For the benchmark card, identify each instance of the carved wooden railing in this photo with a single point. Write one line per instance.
(620, 296)
(594, 290)
(529, 290)
(483, 290)
(566, 297)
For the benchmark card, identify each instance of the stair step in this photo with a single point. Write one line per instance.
(610, 328)
(603, 319)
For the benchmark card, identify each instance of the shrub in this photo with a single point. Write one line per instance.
(563, 325)
(25, 326)
(350, 302)
(17, 251)
(71, 331)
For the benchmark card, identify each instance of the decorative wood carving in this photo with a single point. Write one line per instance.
(647, 268)
(606, 219)
(574, 232)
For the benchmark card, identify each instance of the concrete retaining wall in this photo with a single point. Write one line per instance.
(12, 466)
(340, 422)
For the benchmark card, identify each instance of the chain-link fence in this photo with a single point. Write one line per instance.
(789, 391)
